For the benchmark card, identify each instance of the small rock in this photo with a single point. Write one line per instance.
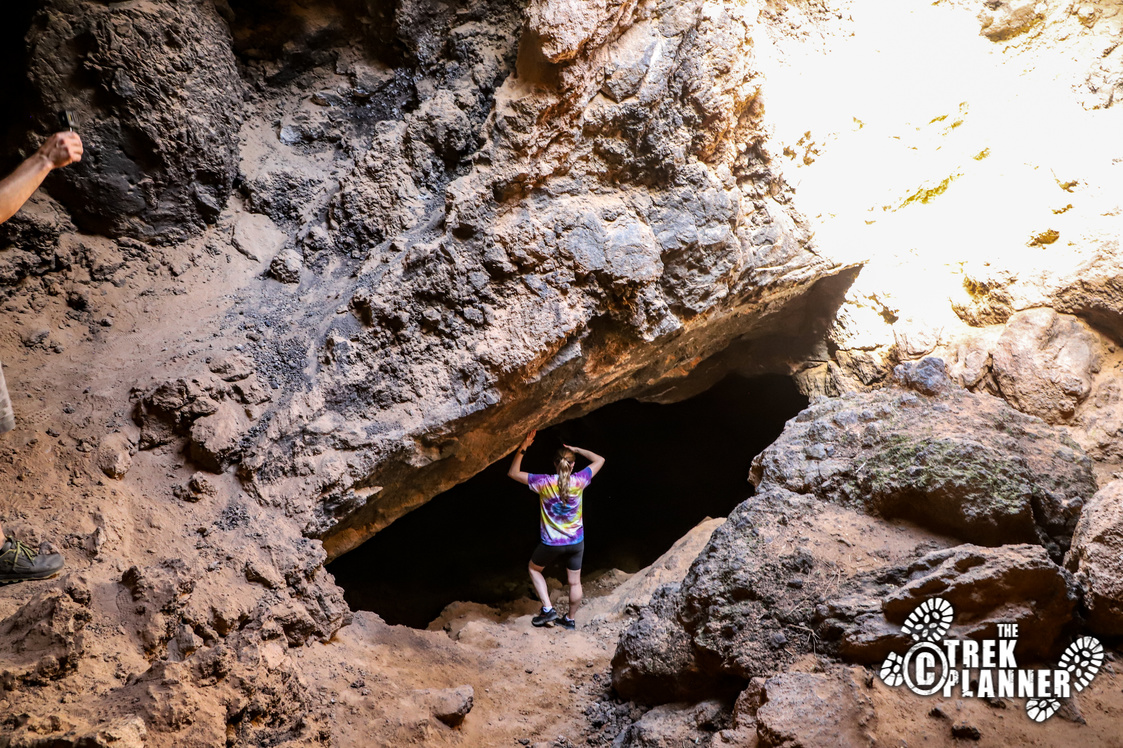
(928, 376)
(449, 705)
(33, 336)
(114, 456)
(201, 485)
(964, 731)
(286, 266)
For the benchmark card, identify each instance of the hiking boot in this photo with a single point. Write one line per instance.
(545, 617)
(567, 623)
(18, 563)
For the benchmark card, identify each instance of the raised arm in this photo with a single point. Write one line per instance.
(61, 149)
(516, 469)
(596, 462)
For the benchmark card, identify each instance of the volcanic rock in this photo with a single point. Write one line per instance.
(964, 464)
(675, 724)
(1096, 558)
(811, 709)
(1044, 363)
(829, 568)
(985, 586)
(151, 88)
(449, 705)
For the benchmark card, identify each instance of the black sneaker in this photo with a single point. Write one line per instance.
(18, 563)
(545, 617)
(567, 623)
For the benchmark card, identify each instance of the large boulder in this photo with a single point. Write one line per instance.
(961, 463)
(532, 250)
(751, 604)
(158, 104)
(1097, 559)
(985, 586)
(655, 659)
(1044, 363)
(818, 560)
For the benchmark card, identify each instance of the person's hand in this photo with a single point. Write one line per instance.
(574, 450)
(62, 149)
(528, 440)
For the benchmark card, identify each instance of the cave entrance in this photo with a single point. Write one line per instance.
(667, 468)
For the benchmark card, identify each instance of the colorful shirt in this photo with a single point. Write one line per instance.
(561, 516)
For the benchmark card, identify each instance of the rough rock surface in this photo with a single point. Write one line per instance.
(449, 705)
(508, 215)
(808, 709)
(156, 95)
(964, 464)
(671, 724)
(594, 249)
(985, 586)
(1044, 363)
(771, 585)
(669, 569)
(1095, 558)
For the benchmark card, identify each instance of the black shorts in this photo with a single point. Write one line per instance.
(544, 555)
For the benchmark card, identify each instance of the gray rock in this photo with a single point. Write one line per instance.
(286, 266)
(155, 92)
(1044, 363)
(737, 614)
(805, 710)
(655, 660)
(1096, 558)
(449, 705)
(985, 586)
(675, 724)
(928, 376)
(964, 464)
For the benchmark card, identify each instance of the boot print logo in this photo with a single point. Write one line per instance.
(985, 668)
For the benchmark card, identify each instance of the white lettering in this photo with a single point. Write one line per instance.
(1006, 684)
(1006, 653)
(965, 685)
(1043, 691)
(952, 645)
(988, 654)
(986, 684)
(925, 664)
(1061, 684)
(971, 654)
(1025, 684)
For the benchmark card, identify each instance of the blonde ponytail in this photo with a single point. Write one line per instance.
(564, 461)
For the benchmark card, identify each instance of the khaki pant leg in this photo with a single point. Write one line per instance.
(7, 415)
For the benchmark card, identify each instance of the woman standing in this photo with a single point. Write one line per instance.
(561, 529)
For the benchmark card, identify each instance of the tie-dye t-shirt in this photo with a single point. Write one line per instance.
(561, 518)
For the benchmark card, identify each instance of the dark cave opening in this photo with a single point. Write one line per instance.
(667, 468)
(15, 89)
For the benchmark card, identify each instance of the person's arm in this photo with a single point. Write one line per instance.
(516, 469)
(61, 149)
(596, 462)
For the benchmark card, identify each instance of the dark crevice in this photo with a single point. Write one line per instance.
(15, 91)
(668, 467)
